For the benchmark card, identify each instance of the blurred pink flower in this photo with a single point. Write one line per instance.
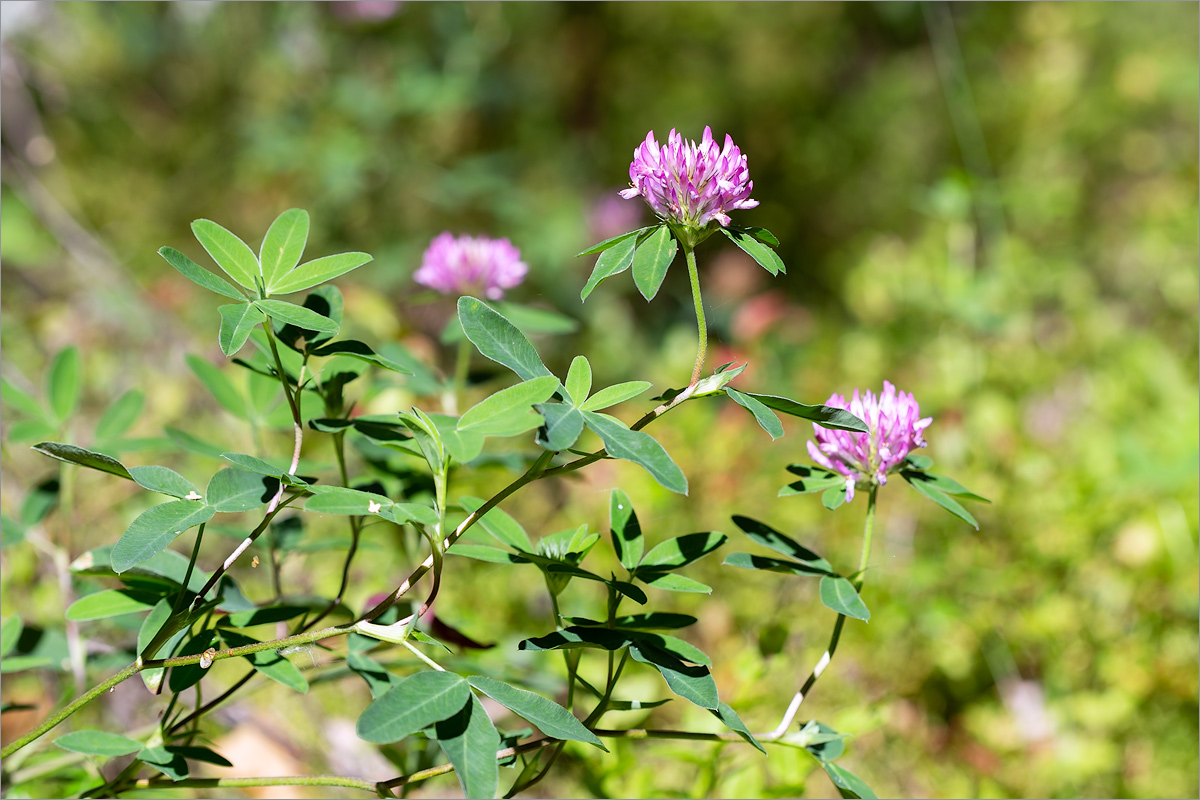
(367, 9)
(610, 216)
(691, 184)
(895, 424)
(471, 265)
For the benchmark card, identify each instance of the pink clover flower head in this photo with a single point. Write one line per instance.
(471, 265)
(689, 183)
(895, 429)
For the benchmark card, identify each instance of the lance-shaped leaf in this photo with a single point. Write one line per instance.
(98, 743)
(352, 348)
(283, 245)
(218, 384)
(731, 720)
(164, 481)
(237, 322)
(761, 234)
(301, 317)
(351, 502)
(578, 636)
(233, 490)
(919, 481)
(625, 529)
(651, 260)
(942, 484)
(470, 741)
(230, 252)
(690, 681)
(613, 261)
(500, 525)
(268, 662)
(840, 595)
(550, 718)
(765, 417)
(317, 271)
(155, 529)
(63, 382)
(498, 339)
(562, 424)
(413, 704)
(255, 464)
(812, 479)
(198, 274)
(673, 582)
(849, 785)
(770, 538)
(120, 416)
(494, 413)
(612, 395)
(110, 603)
(579, 380)
(681, 551)
(761, 253)
(83, 458)
(827, 416)
(600, 247)
(638, 447)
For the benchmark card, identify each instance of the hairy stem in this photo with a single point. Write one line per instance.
(287, 780)
(689, 253)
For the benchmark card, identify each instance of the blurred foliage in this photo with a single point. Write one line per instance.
(992, 205)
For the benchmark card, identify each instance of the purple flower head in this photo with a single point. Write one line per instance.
(471, 265)
(691, 183)
(895, 424)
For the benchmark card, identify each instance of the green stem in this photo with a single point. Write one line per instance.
(289, 780)
(868, 533)
(292, 402)
(701, 326)
(81, 701)
(187, 575)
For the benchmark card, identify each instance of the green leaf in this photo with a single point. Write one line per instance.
(153, 637)
(98, 743)
(608, 243)
(833, 497)
(651, 260)
(266, 615)
(119, 416)
(15, 397)
(753, 561)
(187, 441)
(483, 552)
(12, 532)
(520, 398)
(268, 662)
(762, 234)
(301, 317)
(928, 488)
(763, 254)
(171, 760)
(155, 529)
(351, 502)
(638, 447)
(28, 430)
(261, 467)
(812, 479)
(826, 416)
(615, 394)
(231, 253)
(579, 380)
(163, 571)
(110, 603)
(673, 582)
(198, 274)
(84, 458)
(500, 525)
(40, 501)
(840, 595)
(731, 720)
(942, 484)
(499, 340)
(561, 427)
(673, 645)
(62, 383)
(163, 480)
(470, 741)
(550, 718)
(283, 245)
(766, 418)
(189, 675)
(770, 538)
(237, 322)
(378, 679)
(613, 261)
(531, 320)
(10, 633)
(218, 384)
(681, 551)
(848, 784)
(578, 636)
(691, 682)
(319, 270)
(352, 348)
(918, 462)
(625, 530)
(413, 704)
(233, 490)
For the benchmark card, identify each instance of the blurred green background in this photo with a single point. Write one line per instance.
(993, 205)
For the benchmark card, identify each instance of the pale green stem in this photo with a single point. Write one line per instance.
(432, 664)
(289, 780)
(701, 325)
